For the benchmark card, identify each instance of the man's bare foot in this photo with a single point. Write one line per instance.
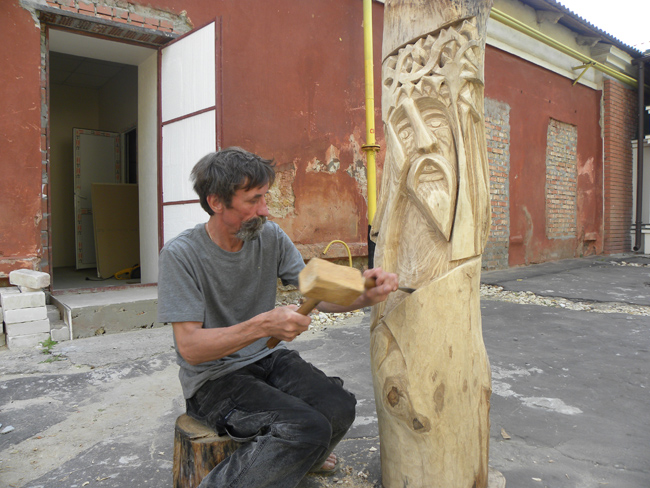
(330, 463)
(329, 467)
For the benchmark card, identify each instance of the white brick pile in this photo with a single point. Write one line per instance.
(23, 310)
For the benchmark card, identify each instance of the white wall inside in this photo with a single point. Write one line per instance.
(112, 107)
(69, 107)
(96, 48)
(148, 167)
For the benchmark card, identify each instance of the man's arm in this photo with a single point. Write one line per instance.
(198, 345)
(386, 284)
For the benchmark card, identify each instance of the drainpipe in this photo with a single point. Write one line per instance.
(639, 159)
(371, 145)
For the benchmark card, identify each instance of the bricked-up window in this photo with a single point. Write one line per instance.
(497, 133)
(561, 180)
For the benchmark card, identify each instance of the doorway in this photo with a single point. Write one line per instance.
(97, 86)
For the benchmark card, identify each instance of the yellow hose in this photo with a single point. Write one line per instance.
(346, 246)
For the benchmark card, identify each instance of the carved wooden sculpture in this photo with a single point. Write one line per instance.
(431, 373)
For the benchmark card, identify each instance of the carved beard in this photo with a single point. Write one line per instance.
(251, 229)
(422, 253)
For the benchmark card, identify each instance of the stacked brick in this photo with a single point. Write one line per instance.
(561, 180)
(130, 14)
(497, 131)
(24, 313)
(619, 128)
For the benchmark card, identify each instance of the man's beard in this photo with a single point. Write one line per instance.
(251, 229)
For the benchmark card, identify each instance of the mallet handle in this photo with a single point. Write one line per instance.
(369, 283)
(304, 309)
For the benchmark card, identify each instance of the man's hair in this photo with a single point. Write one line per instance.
(226, 171)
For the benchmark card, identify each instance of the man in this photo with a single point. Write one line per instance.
(217, 286)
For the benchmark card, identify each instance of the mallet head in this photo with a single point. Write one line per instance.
(331, 282)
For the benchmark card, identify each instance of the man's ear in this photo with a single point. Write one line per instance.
(215, 203)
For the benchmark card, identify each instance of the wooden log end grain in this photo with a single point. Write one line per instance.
(495, 479)
(197, 450)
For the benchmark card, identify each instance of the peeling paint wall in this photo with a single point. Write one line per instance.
(357, 170)
(331, 164)
(292, 89)
(304, 109)
(20, 141)
(281, 199)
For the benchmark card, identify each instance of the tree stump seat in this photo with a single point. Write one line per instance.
(197, 449)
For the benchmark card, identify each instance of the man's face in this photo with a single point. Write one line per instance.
(424, 149)
(247, 212)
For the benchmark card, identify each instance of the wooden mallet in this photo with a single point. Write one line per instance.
(322, 281)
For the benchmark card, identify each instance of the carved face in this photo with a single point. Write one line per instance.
(434, 206)
(422, 146)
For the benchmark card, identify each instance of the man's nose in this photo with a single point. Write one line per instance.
(262, 208)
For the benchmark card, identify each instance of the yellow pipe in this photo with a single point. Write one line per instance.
(346, 246)
(371, 144)
(526, 29)
(586, 67)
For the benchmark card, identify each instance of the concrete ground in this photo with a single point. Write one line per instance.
(569, 403)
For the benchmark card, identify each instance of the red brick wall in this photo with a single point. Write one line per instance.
(497, 132)
(619, 122)
(128, 13)
(561, 180)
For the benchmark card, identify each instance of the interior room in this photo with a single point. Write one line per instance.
(94, 171)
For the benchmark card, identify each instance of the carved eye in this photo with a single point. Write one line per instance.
(438, 125)
(435, 123)
(406, 134)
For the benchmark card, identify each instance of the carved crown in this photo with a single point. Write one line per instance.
(431, 64)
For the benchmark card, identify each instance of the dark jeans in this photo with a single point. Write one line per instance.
(287, 413)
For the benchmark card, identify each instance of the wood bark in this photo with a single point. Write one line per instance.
(431, 374)
(197, 450)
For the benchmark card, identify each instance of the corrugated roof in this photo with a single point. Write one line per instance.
(582, 26)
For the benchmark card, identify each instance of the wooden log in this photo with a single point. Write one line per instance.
(432, 386)
(431, 373)
(197, 450)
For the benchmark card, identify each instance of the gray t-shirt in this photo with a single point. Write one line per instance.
(200, 282)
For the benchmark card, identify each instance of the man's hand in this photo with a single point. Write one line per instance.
(386, 284)
(285, 323)
(198, 345)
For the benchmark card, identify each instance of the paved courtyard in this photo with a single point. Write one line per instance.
(569, 409)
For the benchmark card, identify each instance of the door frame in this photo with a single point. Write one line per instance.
(46, 224)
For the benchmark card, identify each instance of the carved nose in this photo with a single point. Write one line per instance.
(425, 141)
